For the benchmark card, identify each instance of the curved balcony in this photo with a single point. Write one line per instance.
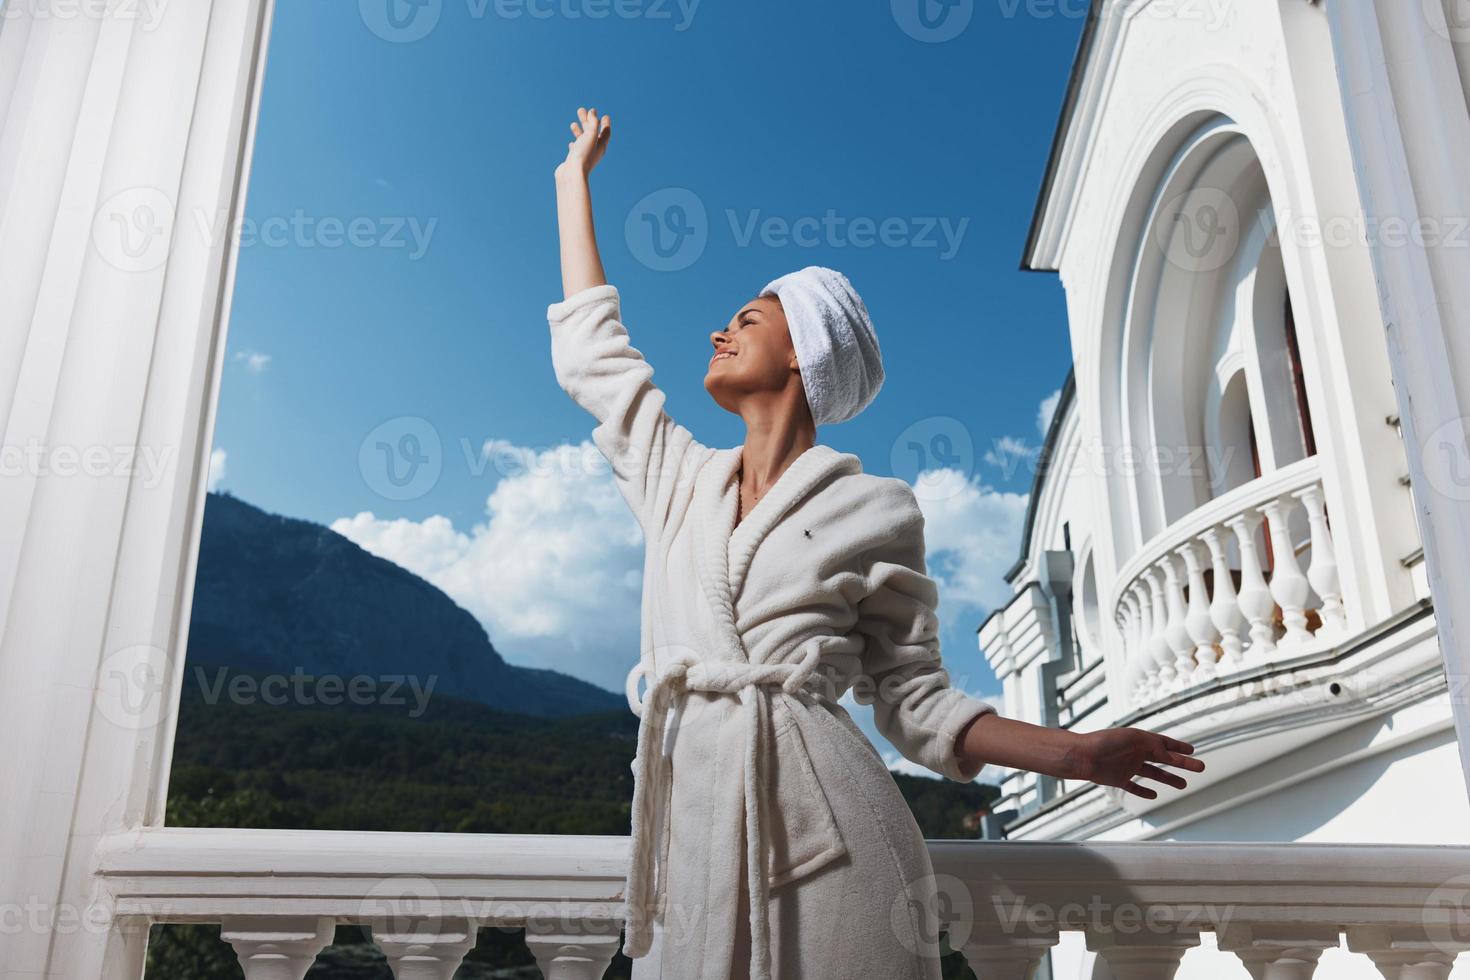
(278, 894)
(1247, 580)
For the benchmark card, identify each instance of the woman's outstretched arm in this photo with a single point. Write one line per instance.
(581, 266)
(1110, 757)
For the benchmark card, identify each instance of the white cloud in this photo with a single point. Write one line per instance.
(554, 571)
(217, 459)
(1047, 410)
(972, 535)
(1007, 451)
(255, 362)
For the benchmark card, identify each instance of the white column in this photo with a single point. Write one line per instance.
(1409, 953)
(427, 950)
(274, 947)
(1404, 108)
(1224, 605)
(1289, 587)
(1175, 630)
(996, 955)
(1142, 954)
(1199, 620)
(1323, 573)
(112, 115)
(1282, 952)
(1256, 602)
(577, 950)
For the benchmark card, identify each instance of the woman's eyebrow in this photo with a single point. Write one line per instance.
(749, 309)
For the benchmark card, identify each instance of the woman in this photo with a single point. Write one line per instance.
(768, 838)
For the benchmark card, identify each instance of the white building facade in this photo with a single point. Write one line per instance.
(1221, 542)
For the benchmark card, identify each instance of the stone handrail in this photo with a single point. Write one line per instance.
(279, 894)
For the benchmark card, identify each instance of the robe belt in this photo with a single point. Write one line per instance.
(652, 783)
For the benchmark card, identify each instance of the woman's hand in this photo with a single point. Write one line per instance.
(1111, 757)
(590, 136)
(1118, 756)
(581, 265)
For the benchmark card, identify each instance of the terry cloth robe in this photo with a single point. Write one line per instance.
(751, 631)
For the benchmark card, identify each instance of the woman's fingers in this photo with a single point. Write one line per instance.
(1160, 776)
(1140, 791)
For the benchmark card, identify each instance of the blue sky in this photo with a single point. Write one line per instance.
(399, 251)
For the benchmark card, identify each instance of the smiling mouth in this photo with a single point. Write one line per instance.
(721, 356)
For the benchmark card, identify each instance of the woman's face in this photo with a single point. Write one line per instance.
(753, 353)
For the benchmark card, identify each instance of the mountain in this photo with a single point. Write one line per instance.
(277, 595)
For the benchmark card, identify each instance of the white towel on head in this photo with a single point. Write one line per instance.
(841, 366)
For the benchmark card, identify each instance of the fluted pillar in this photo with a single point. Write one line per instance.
(274, 947)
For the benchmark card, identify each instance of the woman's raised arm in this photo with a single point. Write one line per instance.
(581, 265)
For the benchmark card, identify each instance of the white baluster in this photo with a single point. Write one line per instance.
(994, 955)
(1256, 602)
(1224, 605)
(1278, 952)
(275, 947)
(1141, 954)
(1324, 574)
(1176, 631)
(1289, 587)
(1409, 953)
(575, 950)
(1198, 621)
(430, 949)
(1158, 642)
(1143, 653)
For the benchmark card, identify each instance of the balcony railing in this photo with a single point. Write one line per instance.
(1140, 906)
(1247, 579)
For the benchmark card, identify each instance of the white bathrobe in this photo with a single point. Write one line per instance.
(751, 631)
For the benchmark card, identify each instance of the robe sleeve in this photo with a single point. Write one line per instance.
(597, 365)
(914, 705)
